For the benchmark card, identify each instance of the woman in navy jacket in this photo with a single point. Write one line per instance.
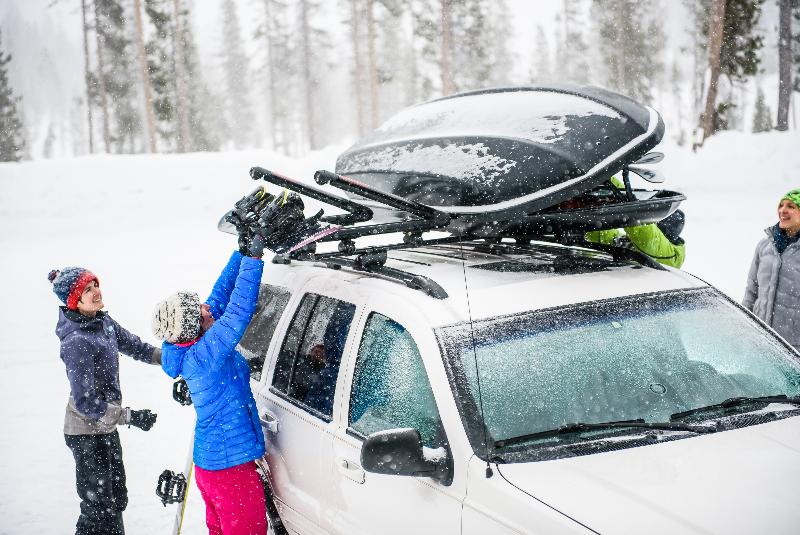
(200, 346)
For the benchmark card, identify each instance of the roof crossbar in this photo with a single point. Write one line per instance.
(356, 212)
(416, 282)
(434, 216)
(372, 259)
(429, 218)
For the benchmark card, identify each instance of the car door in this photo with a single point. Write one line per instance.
(389, 387)
(296, 401)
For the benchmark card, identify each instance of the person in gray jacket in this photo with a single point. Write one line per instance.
(90, 345)
(773, 284)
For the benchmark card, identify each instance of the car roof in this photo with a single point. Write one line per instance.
(482, 283)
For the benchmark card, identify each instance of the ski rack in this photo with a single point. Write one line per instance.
(426, 218)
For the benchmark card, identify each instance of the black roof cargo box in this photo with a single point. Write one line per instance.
(502, 159)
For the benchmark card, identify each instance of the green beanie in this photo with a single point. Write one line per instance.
(793, 196)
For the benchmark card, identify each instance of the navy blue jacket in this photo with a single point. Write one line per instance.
(90, 350)
(227, 432)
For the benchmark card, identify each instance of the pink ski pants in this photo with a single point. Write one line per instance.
(234, 500)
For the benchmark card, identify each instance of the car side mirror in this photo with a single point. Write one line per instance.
(399, 452)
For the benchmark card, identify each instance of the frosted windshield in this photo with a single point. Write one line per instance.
(640, 358)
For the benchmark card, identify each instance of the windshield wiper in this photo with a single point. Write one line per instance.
(580, 427)
(736, 402)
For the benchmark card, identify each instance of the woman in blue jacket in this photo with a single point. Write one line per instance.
(200, 346)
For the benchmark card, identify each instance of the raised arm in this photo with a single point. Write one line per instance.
(221, 292)
(228, 330)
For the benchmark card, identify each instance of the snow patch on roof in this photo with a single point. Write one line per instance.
(536, 116)
(453, 160)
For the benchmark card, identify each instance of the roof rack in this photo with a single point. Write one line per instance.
(422, 218)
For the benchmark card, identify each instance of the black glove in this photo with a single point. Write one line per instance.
(245, 237)
(672, 226)
(143, 419)
(256, 246)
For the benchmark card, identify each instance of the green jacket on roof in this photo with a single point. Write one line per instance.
(648, 239)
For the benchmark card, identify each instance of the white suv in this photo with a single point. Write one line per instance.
(506, 376)
(368, 378)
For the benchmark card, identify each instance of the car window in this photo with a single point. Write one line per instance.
(308, 363)
(272, 301)
(390, 387)
(642, 357)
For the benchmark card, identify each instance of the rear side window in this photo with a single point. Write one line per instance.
(308, 363)
(390, 386)
(272, 301)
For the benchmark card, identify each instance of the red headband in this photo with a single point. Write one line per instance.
(77, 288)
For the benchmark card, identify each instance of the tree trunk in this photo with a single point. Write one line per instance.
(447, 48)
(86, 77)
(373, 65)
(622, 79)
(357, 77)
(101, 81)
(272, 85)
(307, 79)
(148, 92)
(182, 100)
(784, 64)
(715, 30)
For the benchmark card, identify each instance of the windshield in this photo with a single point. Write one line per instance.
(644, 357)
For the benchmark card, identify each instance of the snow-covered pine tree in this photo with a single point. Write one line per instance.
(425, 18)
(676, 88)
(572, 53)
(145, 78)
(312, 47)
(739, 59)
(740, 55)
(446, 54)
(698, 12)
(204, 120)
(480, 44)
(631, 42)
(118, 74)
(87, 76)
(762, 117)
(161, 62)
(353, 18)
(392, 56)
(471, 66)
(12, 140)
(281, 74)
(796, 44)
(541, 71)
(161, 68)
(784, 62)
(237, 78)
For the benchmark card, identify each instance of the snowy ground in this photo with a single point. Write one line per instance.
(147, 226)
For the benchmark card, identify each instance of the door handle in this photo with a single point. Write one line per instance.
(351, 470)
(268, 422)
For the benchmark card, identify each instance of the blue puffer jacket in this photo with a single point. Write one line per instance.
(227, 432)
